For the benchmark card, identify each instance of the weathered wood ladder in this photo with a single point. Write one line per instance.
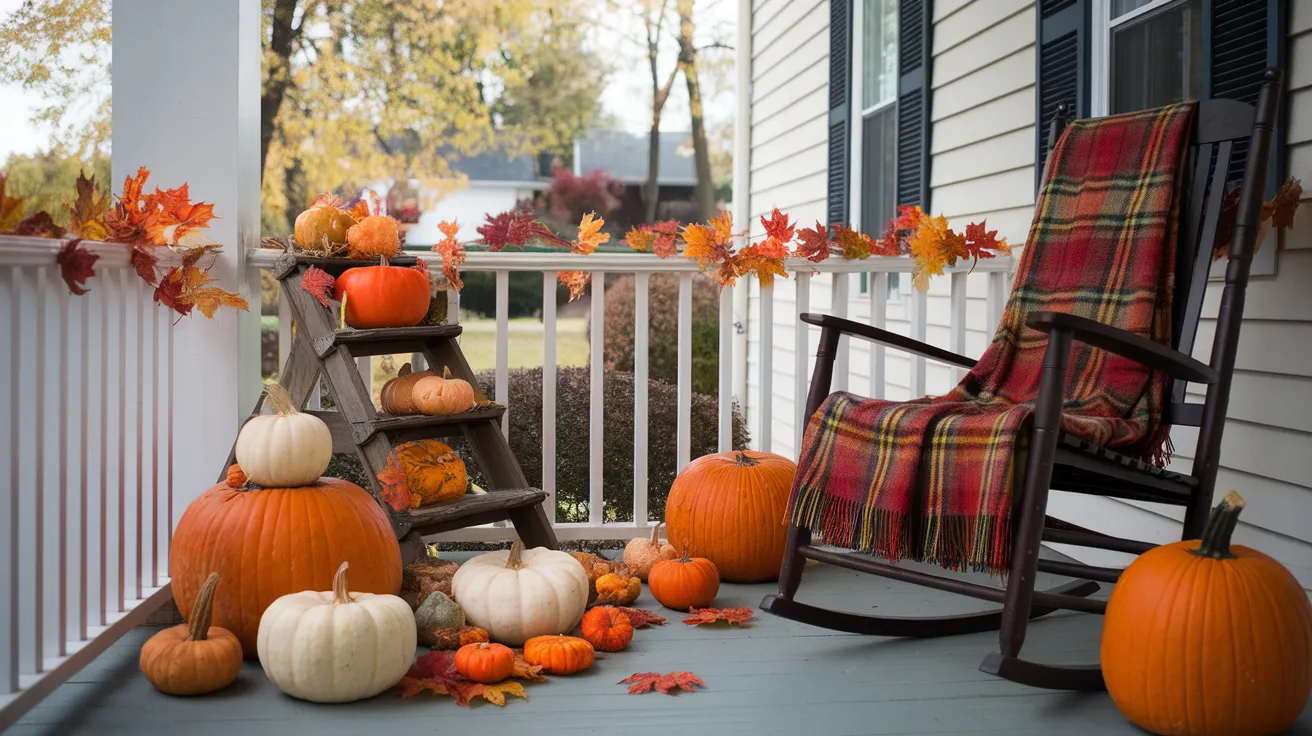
(320, 349)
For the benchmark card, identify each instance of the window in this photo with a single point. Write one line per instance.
(875, 76)
(1148, 53)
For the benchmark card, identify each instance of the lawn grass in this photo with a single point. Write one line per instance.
(479, 345)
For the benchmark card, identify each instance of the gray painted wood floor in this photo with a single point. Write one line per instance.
(773, 677)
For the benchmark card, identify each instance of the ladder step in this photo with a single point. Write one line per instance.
(384, 341)
(473, 509)
(288, 264)
(422, 426)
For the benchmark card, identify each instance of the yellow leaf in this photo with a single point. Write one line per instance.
(698, 241)
(496, 694)
(590, 235)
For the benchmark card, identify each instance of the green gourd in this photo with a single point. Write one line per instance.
(437, 611)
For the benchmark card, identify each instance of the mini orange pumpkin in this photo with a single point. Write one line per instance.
(640, 554)
(1205, 639)
(396, 396)
(375, 235)
(607, 628)
(688, 582)
(322, 227)
(618, 588)
(433, 471)
(559, 655)
(484, 662)
(235, 478)
(446, 395)
(193, 658)
(727, 508)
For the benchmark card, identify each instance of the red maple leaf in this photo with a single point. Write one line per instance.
(645, 682)
(170, 292)
(39, 225)
(420, 266)
(76, 266)
(701, 616)
(641, 617)
(436, 672)
(508, 228)
(813, 243)
(318, 283)
(144, 262)
(667, 233)
(778, 226)
(980, 240)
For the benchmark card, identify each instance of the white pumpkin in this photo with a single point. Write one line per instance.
(286, 449)
(523, 593)
(336, 646)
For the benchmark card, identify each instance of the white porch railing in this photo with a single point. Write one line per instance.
(642, 266)
(86, 453)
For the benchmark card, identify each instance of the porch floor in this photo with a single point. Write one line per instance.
(775, 676)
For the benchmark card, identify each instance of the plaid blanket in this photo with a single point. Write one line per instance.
(932, 479)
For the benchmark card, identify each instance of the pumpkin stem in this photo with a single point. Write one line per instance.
(280, 400)
(1220, 526)
(405, 370)
(341, 325)
(516, 559)
(382, 259)
(656, 534)
(340, 594)
(742, 459)
(446, 372)
(203, 609)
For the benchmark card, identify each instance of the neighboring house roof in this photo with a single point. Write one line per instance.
(496, 166)
(624, 156)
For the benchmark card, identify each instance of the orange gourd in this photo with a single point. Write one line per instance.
(559, 655)
(396, 396)
(607, 629)
(1205, 639)
(640, 554)
(375, 235)
(444, 395)
(484, 662)
(235, 477)
(433, 471)
(269, 542)
(321, 228)
(688, 582)
(193, 658)
(383, 295)
(729, 508)
(618, 588)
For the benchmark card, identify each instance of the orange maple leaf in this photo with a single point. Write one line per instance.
(1283, 206)
(813, 243)
(175, 215)
(590, 235)
(87, 213)
(765, 259)
(645, 682)
(853, 245)
(452, 252)
(778, 227)
(359, 210)
(449, 228)
(640, 239)
(577, 281)
(701, 616)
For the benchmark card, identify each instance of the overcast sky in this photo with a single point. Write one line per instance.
(625, 99)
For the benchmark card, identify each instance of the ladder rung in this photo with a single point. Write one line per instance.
(383, 341)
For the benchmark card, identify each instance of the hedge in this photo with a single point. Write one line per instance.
(663, 335)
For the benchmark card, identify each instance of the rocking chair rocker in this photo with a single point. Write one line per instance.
(1059, 461)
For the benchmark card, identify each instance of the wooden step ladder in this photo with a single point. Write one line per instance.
(320, 349)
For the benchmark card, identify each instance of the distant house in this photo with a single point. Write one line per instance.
(624, 156)
(494, 183)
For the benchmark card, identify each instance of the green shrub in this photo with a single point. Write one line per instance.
(663, 330)
(525, 293)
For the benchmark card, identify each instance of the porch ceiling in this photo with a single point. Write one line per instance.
(774, 677)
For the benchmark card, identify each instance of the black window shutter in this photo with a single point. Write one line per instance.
(1061, 68)
(915, 47)
(1242, 39)
(840, 109)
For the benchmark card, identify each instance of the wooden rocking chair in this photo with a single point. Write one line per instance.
(1062, 462)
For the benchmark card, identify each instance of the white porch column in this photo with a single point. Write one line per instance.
(186, 92)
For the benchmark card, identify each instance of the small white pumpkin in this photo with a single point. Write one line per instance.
(286, 449)
(336, 646)
(523, 593)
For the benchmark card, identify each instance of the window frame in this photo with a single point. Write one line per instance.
(856, 137)
(1100, 47)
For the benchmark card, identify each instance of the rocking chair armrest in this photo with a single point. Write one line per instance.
(1127, 345)
(892, 339)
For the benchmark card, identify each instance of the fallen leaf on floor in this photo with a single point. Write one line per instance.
(701, 616)
(645, 682)
(525, 671)
(640, 617)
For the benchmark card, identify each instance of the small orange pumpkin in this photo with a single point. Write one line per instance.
(375, 235)
(1205, 639)
(484, 662)
(440, 396)
(559, 655)
(640, 554)
(433, 471)
(235, 477)
(456, 638)
(607, 628)
(618, 588)
(688, 582)
(321, 228)
(396, 396)
(193, 658)
(727, 508)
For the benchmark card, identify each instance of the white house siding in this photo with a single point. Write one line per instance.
(983, 168)
(468, 206)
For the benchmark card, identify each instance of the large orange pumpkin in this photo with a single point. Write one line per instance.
(383, 295)
(1205, 639)
(269, 542)
(729, 508)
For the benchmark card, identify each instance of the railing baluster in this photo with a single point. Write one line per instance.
(39, 499)
(838, 306)
(168, 473)
(767, 367)
(10, 559)
(641, 333)
(800, 359)
(683, 432)
(725, 389)
(84, 402)
(128, 290)
(102, 587)
(918, 309)
(61, 641)
(957, 325)
(154, 449)
(549, 392)
(878, 318)
(139, 369)
(503, 348)
(997, 298)
(596, 402)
